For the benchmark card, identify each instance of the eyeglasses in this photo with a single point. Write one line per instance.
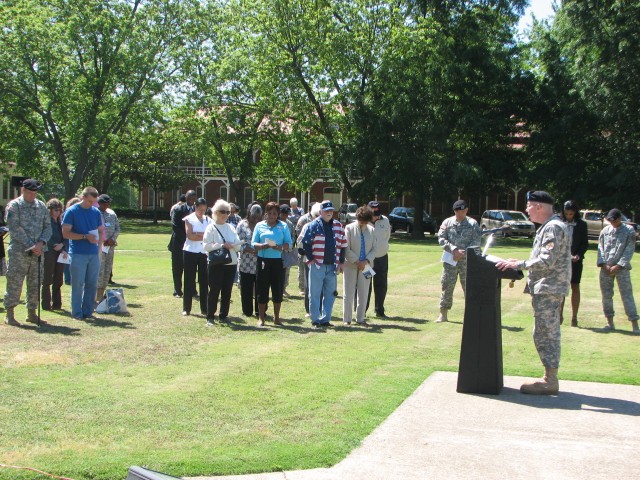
(224, 212)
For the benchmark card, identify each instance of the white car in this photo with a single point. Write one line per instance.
(347, 213)
(517, 222)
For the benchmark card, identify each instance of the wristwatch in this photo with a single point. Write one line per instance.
(84, 237)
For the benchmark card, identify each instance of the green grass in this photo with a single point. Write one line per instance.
(88, 399)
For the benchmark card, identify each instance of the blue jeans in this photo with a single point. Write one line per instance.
(322, 285)
(84, 283)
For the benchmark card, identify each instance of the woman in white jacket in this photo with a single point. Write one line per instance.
(220, 234)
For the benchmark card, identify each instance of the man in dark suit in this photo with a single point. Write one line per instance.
(178, 237)
(579, 246)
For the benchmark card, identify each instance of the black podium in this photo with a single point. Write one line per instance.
(480, 369)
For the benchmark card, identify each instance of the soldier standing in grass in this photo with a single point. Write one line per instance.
(455, 235)
(111, 233)
(29, 225)
(548, 283)
(616, 245)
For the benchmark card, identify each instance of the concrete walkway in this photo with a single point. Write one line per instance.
(589, 431)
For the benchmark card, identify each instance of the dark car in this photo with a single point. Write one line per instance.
(401, 218)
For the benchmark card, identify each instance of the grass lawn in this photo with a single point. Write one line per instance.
(87, 399)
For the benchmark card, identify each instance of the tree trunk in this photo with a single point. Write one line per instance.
(418, 227)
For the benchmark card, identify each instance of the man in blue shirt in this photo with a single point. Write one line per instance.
(82, 225)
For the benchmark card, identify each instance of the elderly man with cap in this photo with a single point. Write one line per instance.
(29, 225)
(111, 232)
(178, 237)
(616, 245)
(324, 245)
(455, 235)
(382, 233)
(549, 268)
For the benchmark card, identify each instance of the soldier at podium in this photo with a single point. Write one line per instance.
(548, 281)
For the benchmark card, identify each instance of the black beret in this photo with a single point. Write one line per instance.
(31, 184)
(459, 205)
(540, 197)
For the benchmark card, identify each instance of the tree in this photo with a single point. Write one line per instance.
(316, 60)
(153, 157)
(599, 41)
(441, 112)
(72, 72)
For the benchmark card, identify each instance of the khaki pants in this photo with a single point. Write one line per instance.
(354, 281)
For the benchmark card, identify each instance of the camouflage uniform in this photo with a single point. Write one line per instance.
(548, 282)
(452, 235)
(616, 247)
(28, 223)
(111, 232)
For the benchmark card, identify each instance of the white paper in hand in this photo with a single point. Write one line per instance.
(447, 257)
(65, 258)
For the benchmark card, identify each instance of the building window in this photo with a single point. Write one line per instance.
(224, 192)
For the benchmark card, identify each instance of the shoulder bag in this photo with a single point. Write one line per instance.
(221, 256)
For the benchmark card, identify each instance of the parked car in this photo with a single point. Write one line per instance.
(401, 218)
(518, 223)
(596, 221)
(347, 213)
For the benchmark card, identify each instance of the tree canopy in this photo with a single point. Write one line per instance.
(418, 96)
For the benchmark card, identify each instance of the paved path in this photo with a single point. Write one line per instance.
(589, 431)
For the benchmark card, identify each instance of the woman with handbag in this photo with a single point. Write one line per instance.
(248, 263)
(271, 237)
(195, 258)
(222, 243)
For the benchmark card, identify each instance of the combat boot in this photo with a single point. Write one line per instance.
(547, 386)
(610, 326)
(32, 316)
(10, 318)
(443, 315)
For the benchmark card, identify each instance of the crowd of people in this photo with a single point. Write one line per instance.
(46, 244)
(214, 248)
(258, 253)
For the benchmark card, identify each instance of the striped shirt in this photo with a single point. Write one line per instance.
(315, 242)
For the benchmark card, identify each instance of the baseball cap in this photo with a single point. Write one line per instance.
(326, 206)
(614, 214)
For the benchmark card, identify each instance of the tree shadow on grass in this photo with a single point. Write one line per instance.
(105, 322)
(373, 328)
(512, 329)
(47, 328)
(124, 285)
(404, 319)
